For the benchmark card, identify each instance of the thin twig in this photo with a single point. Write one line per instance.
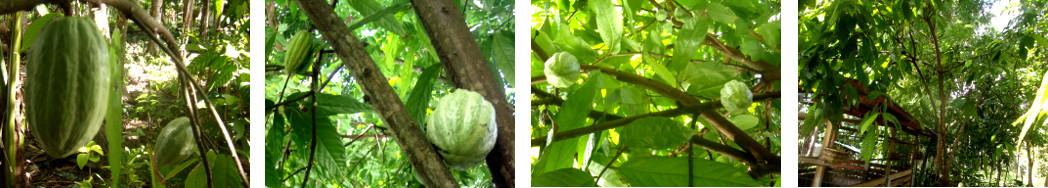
(691, 154)
(196, 129)
(313, 111)
(622, 149)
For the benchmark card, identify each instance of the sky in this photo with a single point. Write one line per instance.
(1001, 18)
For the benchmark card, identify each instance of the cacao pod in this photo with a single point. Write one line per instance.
(462, 127)
(736, 97)
(562, 70)
(175, 142)
(298, 50)
(67, 84)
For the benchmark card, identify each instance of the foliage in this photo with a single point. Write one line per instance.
(354, 147)
(652, 75)
(961, 79)
(146, 91)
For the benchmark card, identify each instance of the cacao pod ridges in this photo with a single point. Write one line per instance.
(736, 97)
(175, 142)
(67, 84)
(562, 70)
(463, 128)
(298, 52)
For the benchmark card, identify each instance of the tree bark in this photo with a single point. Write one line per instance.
(154, 10)
(419, 151)
(1029, 166)
(467, 69)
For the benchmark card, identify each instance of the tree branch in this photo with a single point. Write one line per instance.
(466, 67)
(406, 132)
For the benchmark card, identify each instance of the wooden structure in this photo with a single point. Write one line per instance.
(837, 162)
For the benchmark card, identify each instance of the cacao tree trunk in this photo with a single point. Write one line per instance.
(205, 13)
(187, 18)
(467, 69)
(1029, 166)
(420, 152)
(154, 10)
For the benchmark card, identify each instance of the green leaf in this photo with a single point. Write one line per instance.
(370, 7)
(814, 117)
(329, 104)
(196, 177)
(770, 31)
(330, 153)
(566, 177)
(706, 79)
(382, 14)
(673, 172)
(689, 39)
(720, 13)
(745, 121)
(418, 100)
(572, 115)
(869, 144)
(30, 32)
(609, 23)
(611, 177)
(503, 50)
(654, 133)
(634, 100)
(274, 145)
(81, 159)
(115, 131)
(663, 74)
(867, 121)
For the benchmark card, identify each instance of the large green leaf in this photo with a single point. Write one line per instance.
(329, 104)
(1036, 110)
(673, 172)
(503, 55)
(609, 23)
(330, 153)
(745, 121)
(572, 115)
(720, 13)
(380, 16)
(706, 79)
(370, 7)
(654, 133)
(30, 33)
(869, 144)
(418, 101)
(566, 177)
(867, 121)
(689, 38)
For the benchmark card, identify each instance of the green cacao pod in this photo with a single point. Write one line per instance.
(175, 142)
(736, 97)
(298, 50)
(562, 70)
(463, 128)
(67, 84)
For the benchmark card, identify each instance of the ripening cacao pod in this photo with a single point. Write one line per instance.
(298, 50)
(462, 127)
(736, 97)
(67, 84)
(562, 70)
(175, 142)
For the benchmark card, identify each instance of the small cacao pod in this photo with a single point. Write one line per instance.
(298, 50)
(67, 84)
(175, 142)
(562, 70)
(736, 97)
(462, 127)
